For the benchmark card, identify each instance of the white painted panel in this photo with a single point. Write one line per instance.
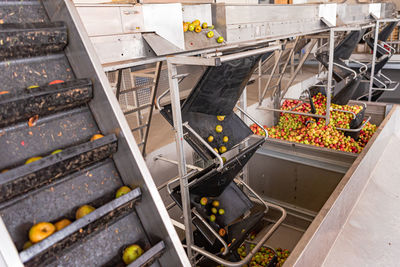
(118, 47)
(166, 20)
(328, 12)
(200, 12)
(101, 20)
(375, 9)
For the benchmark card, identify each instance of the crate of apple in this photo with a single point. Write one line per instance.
(307, 130)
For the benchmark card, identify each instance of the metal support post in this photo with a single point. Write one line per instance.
(243, 106)
(330, 70)
(300, 65)
(177, 119)
(371, 79)
(259, 78)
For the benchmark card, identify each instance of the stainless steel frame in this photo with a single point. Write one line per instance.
(208, 60)
(110, 119)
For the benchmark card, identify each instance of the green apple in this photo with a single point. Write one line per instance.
(131, 253)
(56, 151)
(212, 218)
(83, 211)
(122, 191)
(203, 201)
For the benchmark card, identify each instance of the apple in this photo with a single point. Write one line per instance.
(40, 231)
(210, 138)
(218, 129)
(131, 253)
(32, 87)
(204, 25)
(122, 191)
(210, 34)
(214, 210)
(96, 136)
(203, 201)
(56, 82)
(225, 139)
(222, 149)
(216, 150)
(83, 211)
(30, 160)
(215, 203)
(212, 218)
(221, 211)
(62, 224)
(221, 117)
(56, 151)
(220, 39)
(222, 232)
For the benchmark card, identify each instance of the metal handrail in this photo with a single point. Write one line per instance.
(221, 161)
(160, 97)
(392, 50)
(220, 239)
(346, 68)
(259, 244)
(345, 111)
(355, 130)
(387, 89)
(360, 63)
(390, 82)
(253, 120)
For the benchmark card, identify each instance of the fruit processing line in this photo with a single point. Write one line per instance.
(248, 31)
(40, 117)
(54, 97)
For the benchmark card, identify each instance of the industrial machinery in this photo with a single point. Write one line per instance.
(55, 97)
(249, 31)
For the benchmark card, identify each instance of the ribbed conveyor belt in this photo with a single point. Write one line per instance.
(84, 172)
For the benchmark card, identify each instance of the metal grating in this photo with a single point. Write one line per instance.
(144, 95)
(135, 91)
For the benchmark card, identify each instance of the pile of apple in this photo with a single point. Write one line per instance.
(264, 256)
(308, 130)
(197, 26)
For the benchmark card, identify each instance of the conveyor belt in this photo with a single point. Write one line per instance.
(34, 121)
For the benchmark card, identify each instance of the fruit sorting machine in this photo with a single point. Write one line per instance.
(244, 27)
(54, 97)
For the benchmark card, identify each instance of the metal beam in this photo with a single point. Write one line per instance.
(371, 79)
(330, 70)
(177, 119)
